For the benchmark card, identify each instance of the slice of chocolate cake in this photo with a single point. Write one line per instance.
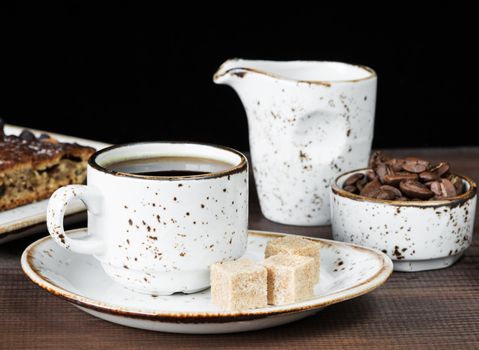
(32, 168)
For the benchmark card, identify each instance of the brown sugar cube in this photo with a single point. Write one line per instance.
(291, 278)
(238, 285)
(294, 245)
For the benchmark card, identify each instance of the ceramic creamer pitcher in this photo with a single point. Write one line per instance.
(308, 122)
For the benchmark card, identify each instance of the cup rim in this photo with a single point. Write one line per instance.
(454, 201)
(241, 166)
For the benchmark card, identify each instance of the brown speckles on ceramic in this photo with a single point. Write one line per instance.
(303, 130)
(303, 156)
(417, 235)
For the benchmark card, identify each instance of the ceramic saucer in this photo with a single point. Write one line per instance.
(347, 271)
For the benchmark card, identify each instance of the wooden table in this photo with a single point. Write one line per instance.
(424, 310)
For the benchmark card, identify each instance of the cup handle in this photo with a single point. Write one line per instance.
(56, 210)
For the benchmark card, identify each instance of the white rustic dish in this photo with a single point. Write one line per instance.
(30, 218)
(347, 271)
(416, 235)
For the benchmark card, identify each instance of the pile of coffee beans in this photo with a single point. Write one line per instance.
(408, 178)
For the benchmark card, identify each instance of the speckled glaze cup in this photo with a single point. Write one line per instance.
(308, 122)
(416, 235)
(159, 234)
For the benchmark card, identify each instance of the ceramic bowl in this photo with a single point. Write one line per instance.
(416, 235)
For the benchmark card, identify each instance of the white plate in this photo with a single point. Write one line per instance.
(347, 271)
(24, 220)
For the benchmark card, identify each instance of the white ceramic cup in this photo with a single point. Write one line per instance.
(158, 234)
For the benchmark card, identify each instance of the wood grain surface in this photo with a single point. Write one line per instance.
(424, 310)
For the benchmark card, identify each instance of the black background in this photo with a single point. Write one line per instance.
(118, 79)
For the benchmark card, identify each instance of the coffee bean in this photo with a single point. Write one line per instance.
(353, 179)
(447, 188)
(382, 170)
(385, 194)
(376, 158)
(417, 160)
(435, 187)
(370, 187)
(394, 190)
(374, 193)
(443, 189)
(371, 175)
(415, 189)
(373, 159)
(27, 135)
(395, 179)
(457, 182)
(361, 183)
(426, 176)
(414, 165)
(441, 168)
(351, 189)
(395, 164)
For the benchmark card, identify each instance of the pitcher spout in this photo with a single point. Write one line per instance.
(230, 71)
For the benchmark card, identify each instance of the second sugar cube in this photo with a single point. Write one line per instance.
(291, 278)
(292, 245)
